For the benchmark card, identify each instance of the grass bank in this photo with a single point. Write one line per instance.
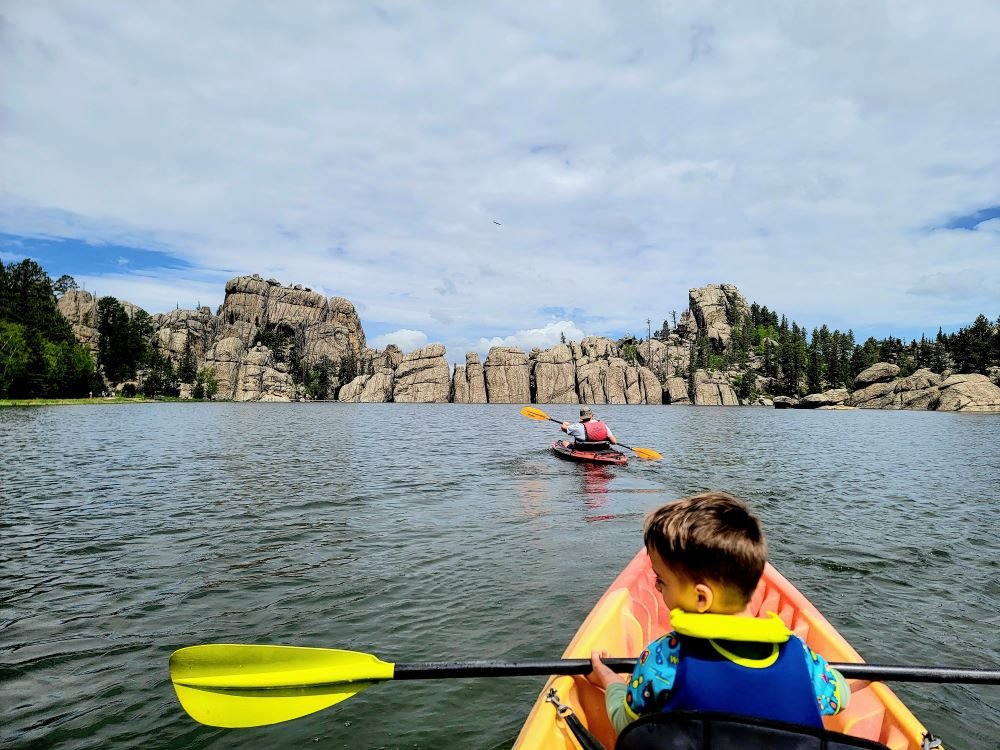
(64, 401)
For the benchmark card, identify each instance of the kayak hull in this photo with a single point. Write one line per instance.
(611, 457)
(631, 614)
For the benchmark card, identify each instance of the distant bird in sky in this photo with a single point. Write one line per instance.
(497, 223)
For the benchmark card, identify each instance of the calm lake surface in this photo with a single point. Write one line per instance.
(450, 532)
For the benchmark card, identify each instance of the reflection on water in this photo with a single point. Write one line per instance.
(596, 478)
(398, 530)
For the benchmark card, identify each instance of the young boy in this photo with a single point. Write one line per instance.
(708, 552)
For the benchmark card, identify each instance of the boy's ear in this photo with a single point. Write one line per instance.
(705, 597)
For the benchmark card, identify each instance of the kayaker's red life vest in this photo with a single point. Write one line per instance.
(595, 430)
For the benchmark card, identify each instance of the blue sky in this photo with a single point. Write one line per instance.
(501, 173)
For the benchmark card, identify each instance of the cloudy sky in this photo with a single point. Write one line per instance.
(482, 173)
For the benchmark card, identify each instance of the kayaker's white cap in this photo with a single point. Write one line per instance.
(586, 413)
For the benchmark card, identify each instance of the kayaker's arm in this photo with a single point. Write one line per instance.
(614, 702)
(564, 426)
(613, 685)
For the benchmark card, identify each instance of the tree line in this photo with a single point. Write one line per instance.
(39, 355)
(797, 362)
(41, 358)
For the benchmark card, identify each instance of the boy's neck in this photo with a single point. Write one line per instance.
(744, 612)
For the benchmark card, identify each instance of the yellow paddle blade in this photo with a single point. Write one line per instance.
(234, 685)
(238, 709)
(532, 413)
(647, 453)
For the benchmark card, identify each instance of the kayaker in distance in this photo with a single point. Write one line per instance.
(588, 430)
(708, 552)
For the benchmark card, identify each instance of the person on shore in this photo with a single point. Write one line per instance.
(708, 552)
(588, 430)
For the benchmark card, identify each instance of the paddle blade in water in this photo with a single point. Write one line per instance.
(257, 707)
(647, 453)
(233, 685)
(532, 413)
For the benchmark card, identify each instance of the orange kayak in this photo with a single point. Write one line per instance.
(631, 614)
(609, 456)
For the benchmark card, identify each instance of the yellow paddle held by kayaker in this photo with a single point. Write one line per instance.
(244, 685)
(532, 413)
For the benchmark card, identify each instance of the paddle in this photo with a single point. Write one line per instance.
(532, 413)
(232, 685)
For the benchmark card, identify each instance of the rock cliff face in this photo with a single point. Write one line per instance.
(230, 343)
(263, 327)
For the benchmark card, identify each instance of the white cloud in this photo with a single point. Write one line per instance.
(796, 150)
(544, 338)
(407, 340)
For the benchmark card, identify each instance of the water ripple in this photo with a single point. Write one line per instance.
(405, 532)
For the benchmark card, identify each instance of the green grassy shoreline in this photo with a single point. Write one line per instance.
(73, 401)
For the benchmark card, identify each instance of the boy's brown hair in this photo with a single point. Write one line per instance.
(712, 536)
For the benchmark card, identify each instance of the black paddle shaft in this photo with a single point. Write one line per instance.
(874, 672)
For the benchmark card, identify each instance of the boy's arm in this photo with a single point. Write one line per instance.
(646, 690)
(832, 690)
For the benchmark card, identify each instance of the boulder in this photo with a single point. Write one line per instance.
(880, 372)
(785, 402)
(713, 390)
(469, 382)
(590, 380)
(873, 396)
(969, 392)
(675, 391)
(506, 375)
(833, 397)
(423, 377)
(615, 382)
(554, 376)
(370, 389)
(649, 387)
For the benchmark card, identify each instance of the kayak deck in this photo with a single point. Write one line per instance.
(631, 613)
(609, 456)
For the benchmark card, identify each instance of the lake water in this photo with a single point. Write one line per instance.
(450, 532)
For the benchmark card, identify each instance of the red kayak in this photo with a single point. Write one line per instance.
(607, 456)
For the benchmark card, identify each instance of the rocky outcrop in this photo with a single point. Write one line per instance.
(80, 309)
(922, 391)
(785, 402)
(664, 358)
(969, 393)
(507, 377)
(716, 309)
(554, 376)
(650, 390)
(224, 359)
(180, 329)
(711, 389)
(262, 379)
(370, 389)
(423, 377)
(469, 382)
(918, 391)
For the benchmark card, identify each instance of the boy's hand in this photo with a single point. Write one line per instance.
(564, 426)
(601, 674)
